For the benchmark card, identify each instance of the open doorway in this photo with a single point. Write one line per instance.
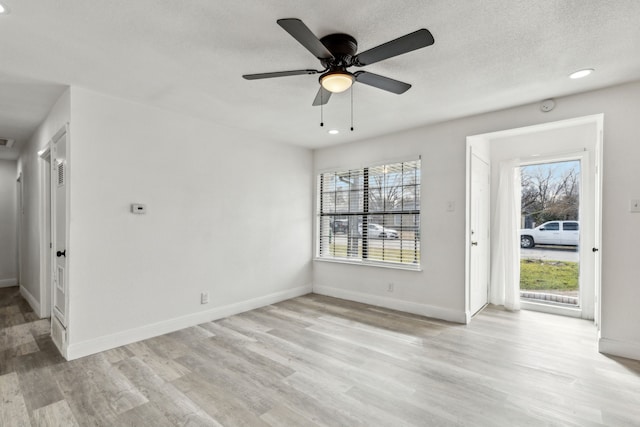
(577, 139)
(550, 233)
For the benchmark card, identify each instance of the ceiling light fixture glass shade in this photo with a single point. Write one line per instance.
(336, 81)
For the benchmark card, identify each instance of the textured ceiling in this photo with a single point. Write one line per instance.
(189, 56)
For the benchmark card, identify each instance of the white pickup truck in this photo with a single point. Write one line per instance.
(551, 233)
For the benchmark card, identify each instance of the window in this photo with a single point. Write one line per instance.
(371, 214)
(570, 226)
(552, 226)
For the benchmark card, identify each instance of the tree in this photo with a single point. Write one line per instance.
(551, 191)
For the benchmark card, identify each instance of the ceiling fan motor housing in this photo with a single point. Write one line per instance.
(343, 47)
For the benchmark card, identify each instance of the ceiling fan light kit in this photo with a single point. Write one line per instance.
(337, 81)
(337, 53)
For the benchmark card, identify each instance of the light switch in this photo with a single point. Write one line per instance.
(634, 205)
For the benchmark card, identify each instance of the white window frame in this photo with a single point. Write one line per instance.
(368, 250)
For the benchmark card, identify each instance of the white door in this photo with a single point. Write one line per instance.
(479, 233)
(587, 234)
(59, 211)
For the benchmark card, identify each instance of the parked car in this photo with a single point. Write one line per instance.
(378, 231)
(340, 225)
(551, 233)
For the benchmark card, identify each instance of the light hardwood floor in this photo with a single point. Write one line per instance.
(319, 361)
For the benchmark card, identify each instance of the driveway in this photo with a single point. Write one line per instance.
(555, 253)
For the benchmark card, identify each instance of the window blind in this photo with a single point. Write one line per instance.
(371, 214)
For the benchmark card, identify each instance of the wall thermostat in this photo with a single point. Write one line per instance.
(138, 208)
(547, 105)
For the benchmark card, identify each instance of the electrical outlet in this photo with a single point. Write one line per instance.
(391, 287)
(204, 298)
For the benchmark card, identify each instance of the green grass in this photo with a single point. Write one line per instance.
(546, 275)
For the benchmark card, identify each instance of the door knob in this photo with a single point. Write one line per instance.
(594, 249)
(61, 253)
(474, 243)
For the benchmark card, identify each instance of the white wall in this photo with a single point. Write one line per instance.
(560, 141)
(228, 213)
(439, 289)
(29, 166)
(8, 224)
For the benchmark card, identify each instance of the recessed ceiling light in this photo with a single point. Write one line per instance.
(334, 131)
(3, 9)
(581, 73)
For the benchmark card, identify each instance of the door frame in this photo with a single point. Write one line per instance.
(62, 132)
(483, 141)
(587, 203)
(19, 225)
(46, 234)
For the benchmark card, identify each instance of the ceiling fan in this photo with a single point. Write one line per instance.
(337, 53)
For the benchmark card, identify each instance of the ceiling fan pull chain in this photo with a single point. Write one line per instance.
(321, 109)
(351, 108)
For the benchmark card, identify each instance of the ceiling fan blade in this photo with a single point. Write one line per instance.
(407, 43)
(278, 74)
(382, 82)
(322, 97)
(305, 37)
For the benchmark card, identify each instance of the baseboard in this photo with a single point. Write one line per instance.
(630, 350)
(33, 302)
(107, 342)
(394, 304)
(7, 283)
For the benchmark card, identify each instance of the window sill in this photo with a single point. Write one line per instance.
(370, 264)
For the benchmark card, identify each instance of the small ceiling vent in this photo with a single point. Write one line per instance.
(6, 143)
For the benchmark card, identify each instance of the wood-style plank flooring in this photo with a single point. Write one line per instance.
(319, 361)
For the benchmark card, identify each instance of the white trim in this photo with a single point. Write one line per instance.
(540, 127)
(61, 134)
(19, 224)
(545, 307)
(457, 316)
(7, 283)
(107, 342)
(372, 164)
(45, 153)
(630, 350)
(33, 302)
(367, 263)
(587, 240)
(596, 192)
(46, 239)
